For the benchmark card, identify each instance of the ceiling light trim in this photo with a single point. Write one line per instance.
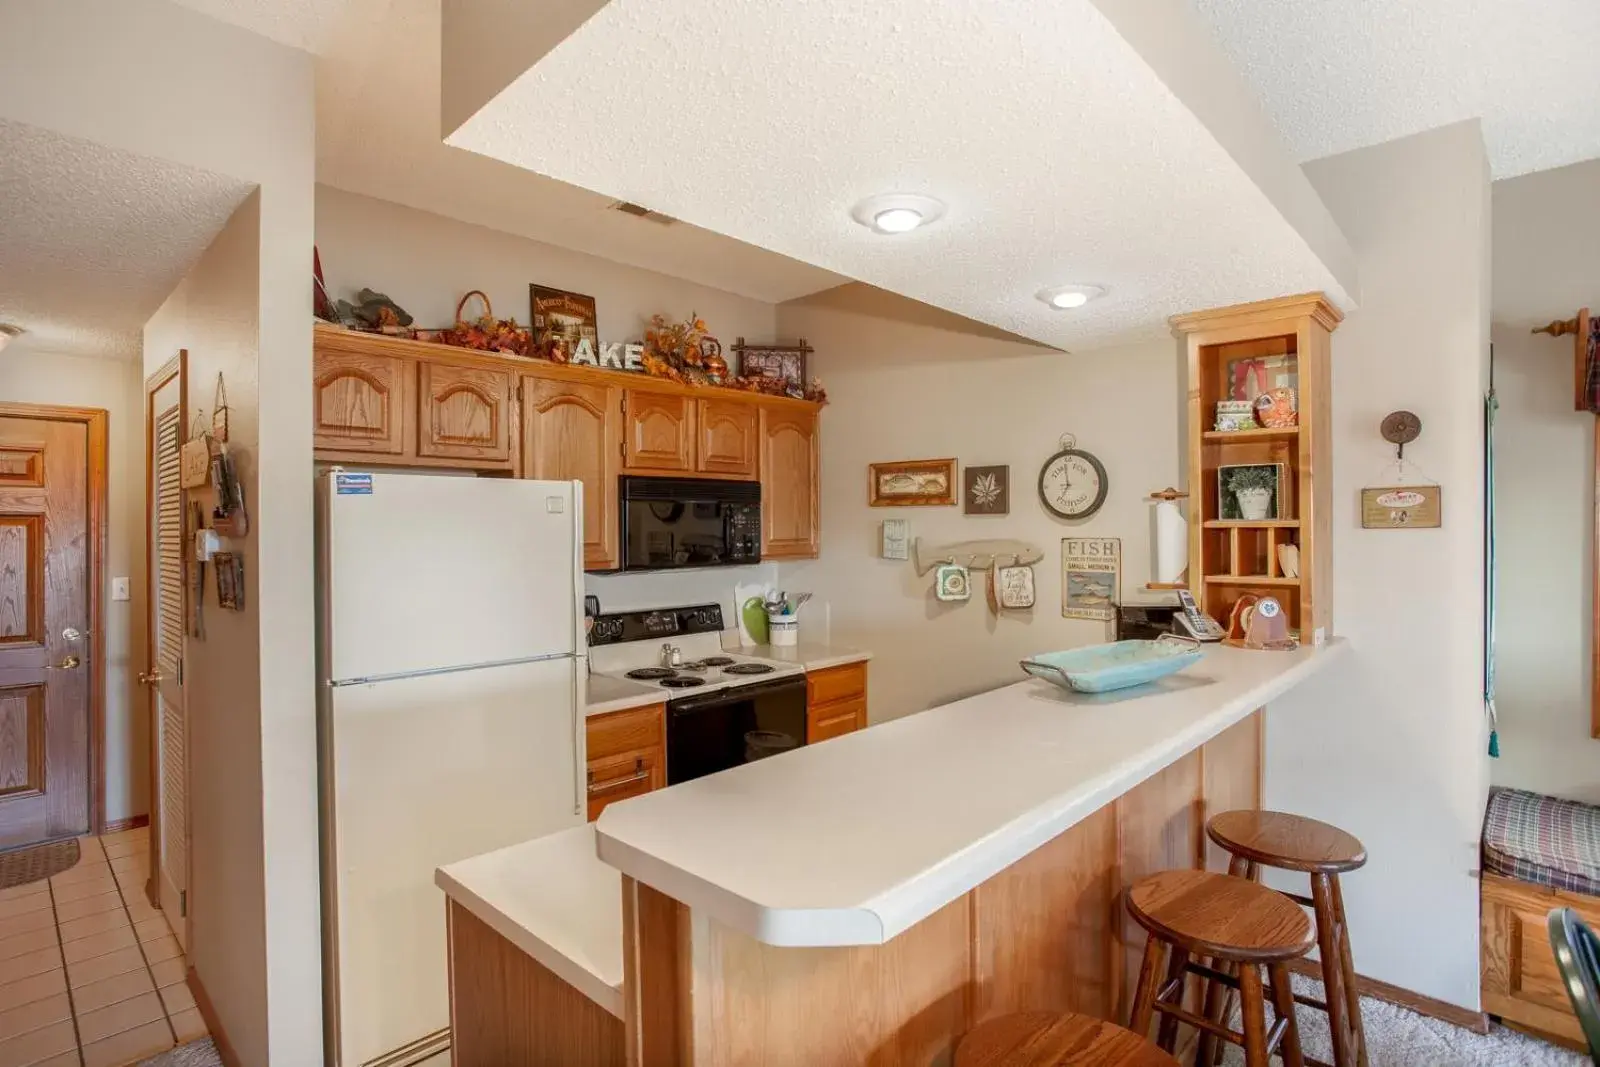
(1069, 297)
(870, 212)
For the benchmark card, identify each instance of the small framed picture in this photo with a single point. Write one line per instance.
(1252, 492)
(912, 483)
(786, 363)
(561, 321)
(1248, 378)
(230, 580)
(986, 490)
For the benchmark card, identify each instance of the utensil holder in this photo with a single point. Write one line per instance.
(782, 630)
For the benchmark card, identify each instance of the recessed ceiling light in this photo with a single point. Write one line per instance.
(896, 212)
(1066, 297)
(7, 332)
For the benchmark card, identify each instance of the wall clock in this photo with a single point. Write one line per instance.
(1072, 483)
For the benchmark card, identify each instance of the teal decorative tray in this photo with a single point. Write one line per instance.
(1119, 665)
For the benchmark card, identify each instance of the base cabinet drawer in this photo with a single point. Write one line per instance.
(831, 720)
(615, 778)
(632, 730)
(836, 683)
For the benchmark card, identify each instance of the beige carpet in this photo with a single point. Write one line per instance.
(1400, 1038)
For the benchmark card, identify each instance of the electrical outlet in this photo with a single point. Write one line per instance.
(119, 589)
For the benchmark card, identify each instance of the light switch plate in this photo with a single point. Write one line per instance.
(119, 589)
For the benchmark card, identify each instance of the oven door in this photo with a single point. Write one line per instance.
(710, 733)
(689, 522)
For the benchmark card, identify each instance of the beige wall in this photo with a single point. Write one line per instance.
(426, 262)
(214, 314)
(909, 383)
(1392, 745)
(32, 377)
(161, 80)
(1545, 267)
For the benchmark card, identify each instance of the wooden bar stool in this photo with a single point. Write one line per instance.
(1042, 1039)
(1293, 843)
(1240, 927)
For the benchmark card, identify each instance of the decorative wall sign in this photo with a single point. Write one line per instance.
(1013, 587)
(1091, 577)
(230, 580)
(987, 490)
(1072, 483)
(896, 539)
(561, 322)
(912, 483)
(1401, 507)
(951, 581)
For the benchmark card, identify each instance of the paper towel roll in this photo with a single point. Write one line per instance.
(1172, 542)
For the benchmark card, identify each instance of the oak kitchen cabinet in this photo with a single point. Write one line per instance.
(626, 754)
(359, 403)
(386, 401)
(569, 430)
(790, 483)
(657, 432)
(836, 701)
(728, 438)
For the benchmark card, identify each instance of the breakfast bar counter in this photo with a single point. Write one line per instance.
(871, 898)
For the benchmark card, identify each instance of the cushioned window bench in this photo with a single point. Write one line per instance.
(1539, 853)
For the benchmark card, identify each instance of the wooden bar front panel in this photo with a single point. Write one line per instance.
(1046, 934)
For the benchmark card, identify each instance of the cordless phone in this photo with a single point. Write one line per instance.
(1200, 626)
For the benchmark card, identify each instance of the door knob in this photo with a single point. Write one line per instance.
(72, 633)
(152, 678)
(67, 664)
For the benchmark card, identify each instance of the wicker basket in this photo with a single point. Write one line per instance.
(485, 333)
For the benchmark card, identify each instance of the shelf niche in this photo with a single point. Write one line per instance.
(1231, 351)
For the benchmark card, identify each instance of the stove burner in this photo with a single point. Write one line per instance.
(749, 668)
(715, 661)
(679, 681)
(646, 673)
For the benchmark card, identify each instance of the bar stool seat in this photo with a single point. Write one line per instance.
(1043, 1039)
(1240, 927)
(1295, 843)
(1289, 842)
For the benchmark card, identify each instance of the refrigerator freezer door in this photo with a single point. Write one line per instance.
(426, 572)
(424, 772)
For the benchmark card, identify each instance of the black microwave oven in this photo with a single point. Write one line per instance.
(669, 523)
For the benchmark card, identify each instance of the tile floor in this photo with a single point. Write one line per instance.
(90, 974)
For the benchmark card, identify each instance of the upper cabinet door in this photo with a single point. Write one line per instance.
(358, 403)
(658, 430)
(573, 431)
(727, 438)
(790, 522)
(466, 414)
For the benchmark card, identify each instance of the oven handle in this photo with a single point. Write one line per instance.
(690, 705)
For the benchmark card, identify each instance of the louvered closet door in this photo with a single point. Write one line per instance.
(167, 633)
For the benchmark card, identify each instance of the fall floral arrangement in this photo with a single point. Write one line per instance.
(683, 351)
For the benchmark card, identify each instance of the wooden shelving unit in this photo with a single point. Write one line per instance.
(1229, 558)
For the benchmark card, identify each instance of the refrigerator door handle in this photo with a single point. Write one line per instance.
(579, 756)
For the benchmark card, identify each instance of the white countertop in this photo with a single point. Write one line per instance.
(618, 694)
(555, 900)
(811, 655)
(853, 841)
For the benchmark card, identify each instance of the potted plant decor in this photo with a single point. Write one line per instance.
(1253, 487)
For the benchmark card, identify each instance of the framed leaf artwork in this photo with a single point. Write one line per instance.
(986, 490)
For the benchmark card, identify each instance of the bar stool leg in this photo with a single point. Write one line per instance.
(1358, 1032)
(1283, 1004)
(1219, 998)
(1144, 999)
(1253, 1005)
(1167, 1032)
(1332, 970)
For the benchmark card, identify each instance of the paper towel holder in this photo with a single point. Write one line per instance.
(1169, 495)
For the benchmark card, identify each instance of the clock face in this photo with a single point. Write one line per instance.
(1072, 484)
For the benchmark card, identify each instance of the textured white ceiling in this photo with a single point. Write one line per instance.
(1342, 74)
(378, 134)
(92, 239)
(1062, 155)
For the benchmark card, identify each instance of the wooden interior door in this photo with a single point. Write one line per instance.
(45, 626)
(163, 679)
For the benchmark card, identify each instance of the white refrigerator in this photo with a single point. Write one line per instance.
(452, 680)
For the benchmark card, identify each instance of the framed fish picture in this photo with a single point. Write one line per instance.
(1091, 577)
(912, 483)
